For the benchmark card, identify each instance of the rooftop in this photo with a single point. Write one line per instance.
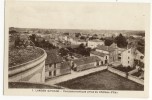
(105, 48)
(77, 55)
(98, 53)
(96, 40)
(53, 57)
(86, 60)
(65, 65)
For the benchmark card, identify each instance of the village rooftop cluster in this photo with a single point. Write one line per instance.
(71, 51)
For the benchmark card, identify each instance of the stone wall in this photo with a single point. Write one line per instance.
(113, 70)
(136, 79)
(129, 76)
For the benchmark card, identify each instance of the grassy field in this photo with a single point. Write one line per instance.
(103, 80)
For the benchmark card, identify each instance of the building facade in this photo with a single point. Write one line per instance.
(127, 57)
(57, 69)
(104, 57)
(85, 63)
(94, 43)
(55, 66)
(107, 50)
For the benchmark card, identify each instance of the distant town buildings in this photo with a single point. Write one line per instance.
(98, 54)
(94, 43)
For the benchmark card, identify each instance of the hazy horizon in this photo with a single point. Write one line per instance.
(72, 29)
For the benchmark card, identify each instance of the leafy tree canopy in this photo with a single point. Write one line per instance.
(121, 41)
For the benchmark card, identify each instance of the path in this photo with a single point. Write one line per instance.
(73, 75)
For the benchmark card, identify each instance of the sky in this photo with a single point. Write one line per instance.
(78, 15)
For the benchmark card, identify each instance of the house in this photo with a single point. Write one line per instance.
(119, 50)
(113, 45)
(127, 57)
(55, 66)
(104, 57)
(85, 63)
(76, 56)
(139, 60)
(94, 43)
(111, 51)
(77, 41)
(132, 58)
(139, 56)
(80, 41)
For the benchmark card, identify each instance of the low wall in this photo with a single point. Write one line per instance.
(136, 79)
(32, 71)
(86, 66)
(133, 71)
(33, 85)
(113, 70)
(130, 77)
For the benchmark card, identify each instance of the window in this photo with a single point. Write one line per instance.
(128, 51)
(55, 73)
(54, 65)
(106, 57)
(128, 62)
(50, 65)
(128, 57)
(50, 73)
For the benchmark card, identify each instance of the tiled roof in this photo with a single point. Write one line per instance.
(86, 60)
(114, 45)
(65, 65)
(77, 55)
(96, 40)
(53, 57)
(98, 53)
(121, 49)
(105, 48)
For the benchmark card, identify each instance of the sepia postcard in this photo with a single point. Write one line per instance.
(63, 48)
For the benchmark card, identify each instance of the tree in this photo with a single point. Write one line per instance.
(77, 34)
(63, 52)
(108, 42)
(81, 46)
(83, 37)
(33, 38)
(121, 41)
(66, 33)
(87, 51)
(95, 36)
(83, 51)
(12, 32)
(141, 49)
(17, 41)
(70, 49)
